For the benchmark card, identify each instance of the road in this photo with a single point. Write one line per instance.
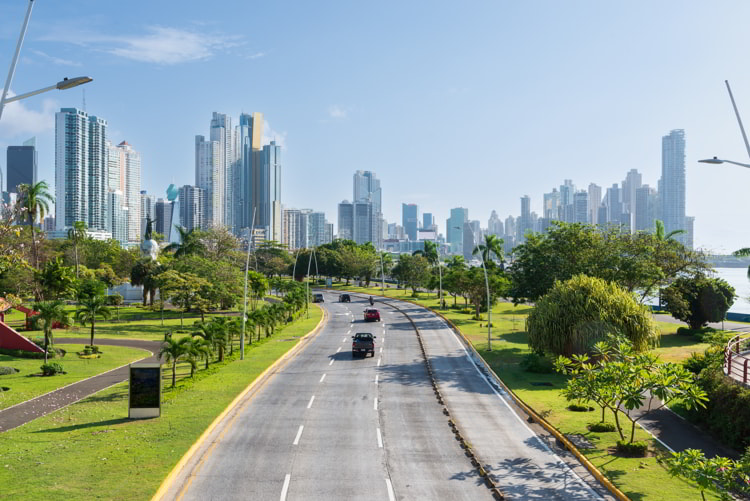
(330, 427)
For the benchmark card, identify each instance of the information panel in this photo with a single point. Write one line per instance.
(145, 390)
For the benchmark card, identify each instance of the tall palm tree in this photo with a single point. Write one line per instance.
(430, 252)
(91, 307)
(189, 244)
(173, 351)
(492, 245)
(35, 200)
(50, 313)
(77, 234)
(659, 231)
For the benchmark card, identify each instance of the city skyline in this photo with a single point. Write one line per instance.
(591, 122)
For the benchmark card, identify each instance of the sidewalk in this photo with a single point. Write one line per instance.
(24, 412)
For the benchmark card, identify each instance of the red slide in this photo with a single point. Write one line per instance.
(12, 340)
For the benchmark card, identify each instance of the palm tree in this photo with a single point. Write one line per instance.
(189, 244)
(91, 307)
(659, 231)
(215, 332)
(454, 262)
(173, 351)
(77, 234)
(492, 245)
(430, 252)
(203, 349)
(35, 200)
(50, 313)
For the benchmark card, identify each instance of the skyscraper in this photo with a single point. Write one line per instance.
(249, 138)
(147, 210)
(316, 229)
(346, 220)
(551, 204)
(427, 220)
(131, 165)
(646, 200)
(367, 188)
(80, 170)
(672, 188)
(192, 200)
(595, 200)
(118, 213)
(21, 166)
(565, 211)
(267, 191)
(454, 229)
(410, 220)
(221, 133)
(581, 207)
(494, 225)
(295, 235)
(209, 177)
(525, 224)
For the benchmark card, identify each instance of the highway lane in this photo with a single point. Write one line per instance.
(327, 426)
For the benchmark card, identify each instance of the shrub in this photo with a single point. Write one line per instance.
(602, 427)
(695, 363)
(698, 333)
(467, 311)
(539, 364)
(636, 449)
(22, 353)
(51, 369)
(4, 371)
(94, 349)
(580, 408)
(698, 300)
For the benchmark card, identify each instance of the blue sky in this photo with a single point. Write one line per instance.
(469, 104)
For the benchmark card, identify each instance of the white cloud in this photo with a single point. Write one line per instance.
(338, 112)
(55, 60)
(159, 45)
(271, 135)
(19, 120)
(257, 55)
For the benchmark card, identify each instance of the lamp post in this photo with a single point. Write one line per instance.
(247, 266)
(382, 274)
(716, 160)
(487, 285)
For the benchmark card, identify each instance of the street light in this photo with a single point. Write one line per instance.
(64, 84)
(717, 161)
(247, 268)
(487, 285)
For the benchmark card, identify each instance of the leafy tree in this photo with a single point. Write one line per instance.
(76, 234)
(116, 300)
(180, 288)
(218, 243)
(698, 300)
(258, 285)
(718, 474)
(10, 255)
(55, 280)
(88, 288)
(577, 313)
(190, 243)
(492, 245)
(412, 271)
(475, 287)
(430, 252)
(107, 275)
(144, 273)
(49, 314)
(35, 200)
(91, 307)
(272, 259)
(175, 350)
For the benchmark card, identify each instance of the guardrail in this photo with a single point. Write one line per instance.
(737, 358)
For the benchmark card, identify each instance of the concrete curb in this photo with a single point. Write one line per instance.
(526, 408)
(260, 379)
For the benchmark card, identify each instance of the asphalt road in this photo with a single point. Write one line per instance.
(331, 427)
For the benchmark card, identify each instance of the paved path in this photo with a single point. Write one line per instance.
(327, 426)
(24, 412)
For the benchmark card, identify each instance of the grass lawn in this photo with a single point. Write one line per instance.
(642, 479)
(90, 450)
(27, 383)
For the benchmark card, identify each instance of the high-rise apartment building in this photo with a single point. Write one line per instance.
(21, 166)
(495, 225)
(131, 165)
(551, 204)
(410, 220)
(163, 217)
(646, 200)
(672, 187)
(316, 229)
(595, 200)
(221, 132)
(633, 181)
(118, 213)
(209, 177)
(81, 179)
(249, 136)
(360, 222)
(267, 191)
(613, 202)
(192, 207)
(581, 207)
(525, 222)
(454, 229)
(366, 187)
(295, 234)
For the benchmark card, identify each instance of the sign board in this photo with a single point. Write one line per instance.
(144, 397)
(329, 283)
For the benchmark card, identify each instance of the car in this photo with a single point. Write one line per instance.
(372, 315)
(318, 298)
(345, 298)
(363, 343)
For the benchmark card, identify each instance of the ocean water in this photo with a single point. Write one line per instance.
(737, 278)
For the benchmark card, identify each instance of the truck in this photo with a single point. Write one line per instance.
(362, 344)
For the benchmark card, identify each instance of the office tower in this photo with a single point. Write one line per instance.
(672, 188)
(366, 224)
(367, 188)
(147, 210)
(427, 220)
(221, 133)
(551, 204)
(454, 228)
(468, 241)
(581, 207)
(613, 202)
(130, 165)
(346, 221)
(163, 217)
(192, 207)
(118, 213)
(20, 166)
(595, 200)
(80, 170)
(316, 229)
(49, 223)
(510, 227)
(565, 211)
(329, 233)
(249, 140)
(633, 181)
(267, 191)
(689, 228)
(209, 177)
(494, 225)
(525, 222)
(646, 200)
(409, 220)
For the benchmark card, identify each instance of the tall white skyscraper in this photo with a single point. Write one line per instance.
(672, 184)
(249, 140)
(192, 207)
(267, 192)
(130, 163)
(209, 177)
(595, 200)
(221, 132)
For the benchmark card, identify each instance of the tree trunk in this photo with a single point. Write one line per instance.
(182, 315)
(46, 344)
(632, 432)
(617, 423)
(33, 243)
(174, 371)
(145, 295)
(92, 335)
(75, 246)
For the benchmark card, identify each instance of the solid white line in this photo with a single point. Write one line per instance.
(380, 439)
(286, 487)
(391, 494)
(375, 403)
(338, 349)
(331, 362)
(379, 361)
(322, 378)
(376, 378)
(311, 401)
(299, 434)
(381, 349)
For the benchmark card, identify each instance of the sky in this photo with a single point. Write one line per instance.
(452, 104)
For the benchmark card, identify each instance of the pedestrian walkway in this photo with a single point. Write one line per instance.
(29, 410)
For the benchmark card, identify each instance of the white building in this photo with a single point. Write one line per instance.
(209, 177)
(192, 208)
(118, 217)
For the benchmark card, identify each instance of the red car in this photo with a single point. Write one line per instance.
(372, 315)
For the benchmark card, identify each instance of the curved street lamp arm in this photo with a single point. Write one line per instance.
(739, 120)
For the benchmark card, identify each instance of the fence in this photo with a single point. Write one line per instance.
(737, 358)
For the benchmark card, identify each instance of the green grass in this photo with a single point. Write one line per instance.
(642, 479)
(90, 450)
(27, 383)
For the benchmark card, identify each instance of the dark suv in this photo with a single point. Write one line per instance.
(362, 344)
(345, 298)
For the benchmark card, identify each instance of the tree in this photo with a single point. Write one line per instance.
(55, 280)
(180, 288)
(430, 252)
(492, 245)
(215, 332)
(577, 313)
(144, 273)
(173, 351)
(717, 474)
(190, 243)
(659, 231)
(88, 288)
(116, 300)
(49, 314)
(89, 309)
(76, 234)
(475, 287)
(698, 300)
(258, 285)
(35, 200)
(11, 256)
(413, 271)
